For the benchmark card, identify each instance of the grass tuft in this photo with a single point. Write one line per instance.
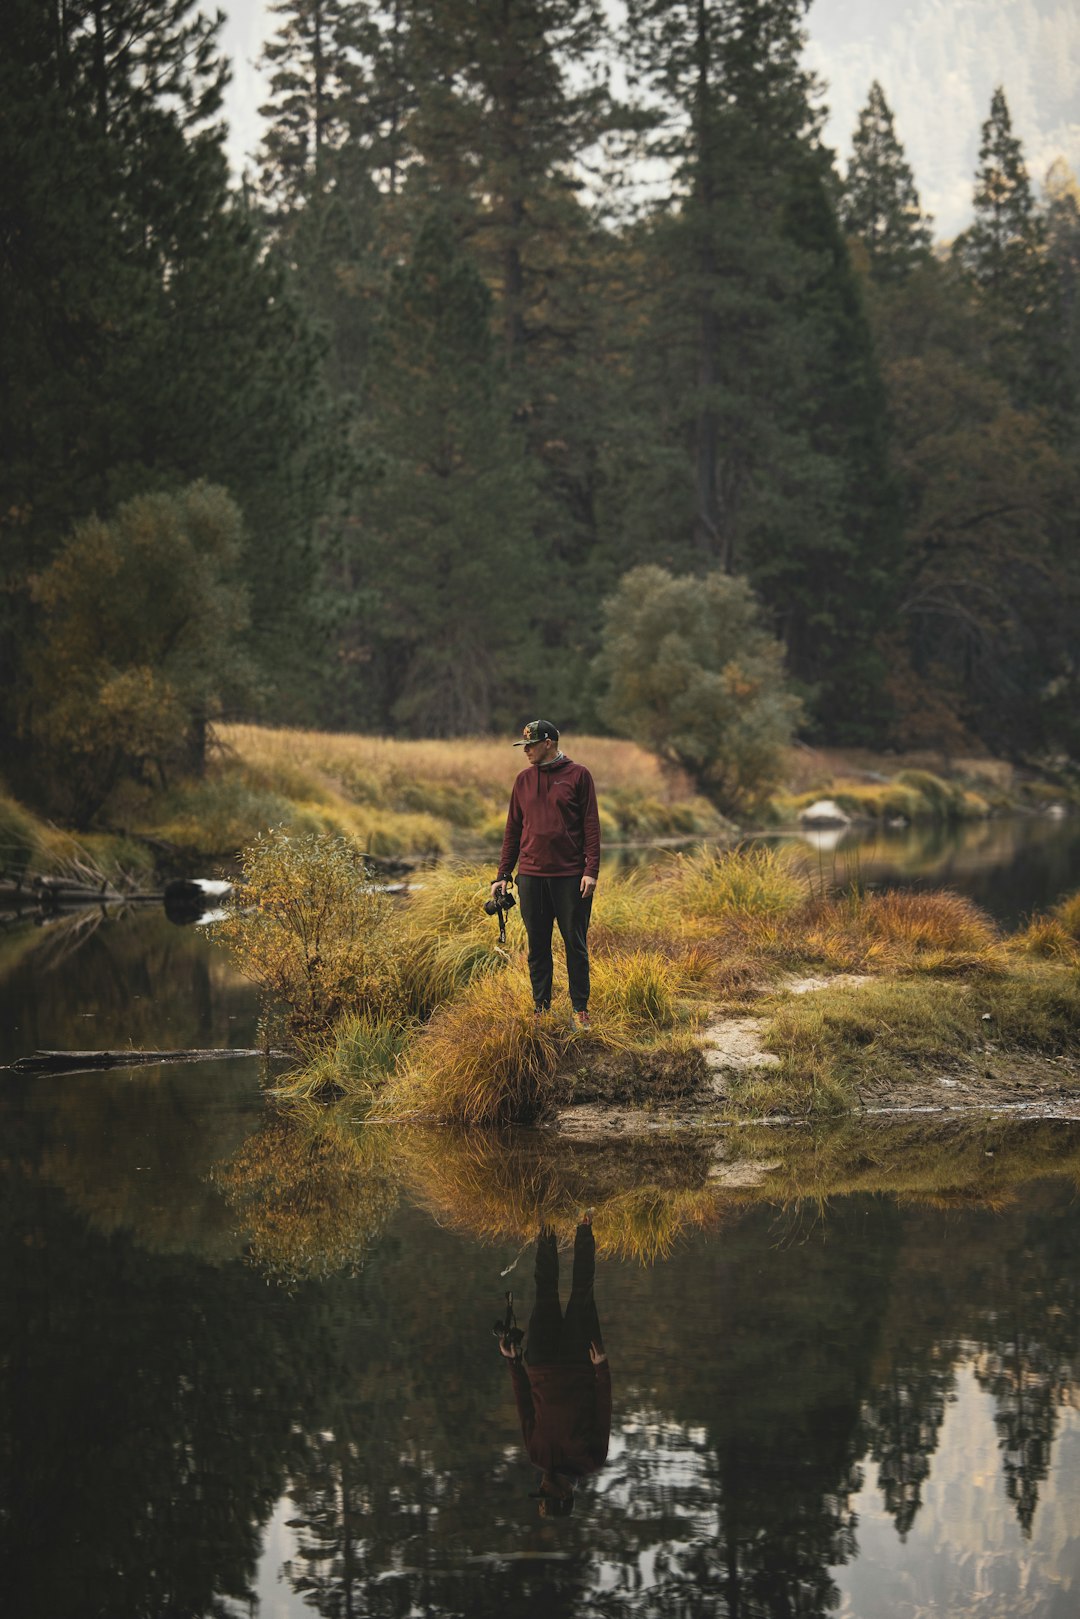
(483, 1060)
(762, 882)
(1068, 914)
(362, 1050)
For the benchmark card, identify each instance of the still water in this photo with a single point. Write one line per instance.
(248, 1367)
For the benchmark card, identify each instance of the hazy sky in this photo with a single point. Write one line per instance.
(938, 62)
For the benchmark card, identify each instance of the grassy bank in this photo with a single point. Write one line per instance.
(413, 800)
(414, 1011)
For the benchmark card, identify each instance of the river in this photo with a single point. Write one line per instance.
(248, 1363)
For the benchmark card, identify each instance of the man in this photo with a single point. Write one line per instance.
(553, 836)
(562, 1386)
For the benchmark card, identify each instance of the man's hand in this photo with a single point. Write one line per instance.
(498, 888)
(512, 1351)
(596, 1354)
(588, 884)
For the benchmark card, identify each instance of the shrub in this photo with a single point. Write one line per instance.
(141, 619)
(690, 669)
(311, 931)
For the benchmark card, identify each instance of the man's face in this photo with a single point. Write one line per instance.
(538, 753)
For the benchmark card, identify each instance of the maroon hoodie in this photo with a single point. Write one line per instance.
(565, 1415)
(552, 825)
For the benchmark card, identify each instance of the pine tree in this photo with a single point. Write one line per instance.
(1003, 254)
(737, 106)
(1001, 248)
(759, 352)
(880, 204)
(438, 554)
(147, 341)
(511, 97)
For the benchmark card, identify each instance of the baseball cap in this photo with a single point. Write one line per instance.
(538, 731)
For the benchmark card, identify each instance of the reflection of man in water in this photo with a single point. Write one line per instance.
(563, 1384)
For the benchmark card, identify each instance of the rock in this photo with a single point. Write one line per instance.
(735, 1043)
(825, 812)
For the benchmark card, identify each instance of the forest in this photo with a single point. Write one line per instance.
(517, 305)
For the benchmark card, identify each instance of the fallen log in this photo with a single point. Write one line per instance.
(77, 1062)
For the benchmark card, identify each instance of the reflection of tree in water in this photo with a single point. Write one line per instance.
(766, 1342)
(311, 1192)
(1008, 1290)
(150, 1408)
(903, 1418)
(1029, 1360)
(1026, 1394)
(145, 982)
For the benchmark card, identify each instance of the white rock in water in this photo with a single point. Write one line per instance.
(826, 812)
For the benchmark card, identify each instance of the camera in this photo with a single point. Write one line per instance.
(501, 902)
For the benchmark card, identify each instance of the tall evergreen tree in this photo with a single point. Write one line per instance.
(879, 203)
(759, 343)
(311, 79)
(439, 548)
(1001, 247)
(512, 96)
(736, 106)
(147, 342)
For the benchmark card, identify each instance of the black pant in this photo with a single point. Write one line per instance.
(555, 1339)
(545, 901)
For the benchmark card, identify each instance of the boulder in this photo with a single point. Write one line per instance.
(825, 812)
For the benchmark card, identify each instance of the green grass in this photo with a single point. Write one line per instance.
(841, 1046)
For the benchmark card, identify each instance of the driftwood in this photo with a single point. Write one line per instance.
(78, 1062)
(55, 893)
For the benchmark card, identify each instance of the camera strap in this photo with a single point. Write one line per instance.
(502, 915)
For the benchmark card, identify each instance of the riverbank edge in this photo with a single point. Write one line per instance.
(404, 803)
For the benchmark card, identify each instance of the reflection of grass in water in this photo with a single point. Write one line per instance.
(312, 1192)
(501, 1188)
(942, 1163)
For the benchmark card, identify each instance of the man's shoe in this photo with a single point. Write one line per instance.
(582, 1020)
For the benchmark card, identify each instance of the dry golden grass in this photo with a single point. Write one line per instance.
(1049, 938)
(898, 931)
(761, 883)
(486, 764)
(1068, 914)
(483, 1060)
(487, 1059)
